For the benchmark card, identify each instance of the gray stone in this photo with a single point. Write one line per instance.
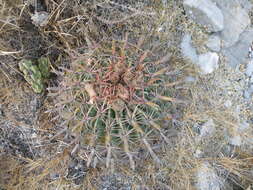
(238, 53)
(235, 140)
(236, 20)
(207, 129)
(40, 18)
(228, 104)
(249, 69)
(208, 62)
(187, 50)
(214, 43)
(206, 13)
(190, 79)
(207, 178)
(244, 125)
(246, 4)
(248, 92)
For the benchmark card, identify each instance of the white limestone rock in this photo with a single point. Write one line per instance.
(208, 62)
(228, 104)
(236, 20)
(235, 140)
(249, 69)
(187, 50)
(40, 18)
(214, 43)
(246, 4)
(241, 135)
(238, 53)
(207, 129)
(206, 13)
(207, 179)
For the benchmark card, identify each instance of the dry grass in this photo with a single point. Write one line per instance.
(63, 159)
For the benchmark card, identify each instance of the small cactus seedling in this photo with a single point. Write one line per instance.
(44, 67)
(35, 74)
(116, 99)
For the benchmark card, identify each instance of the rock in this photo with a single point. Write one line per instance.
(236, 20)
(238, 53)
(206, 13)
(190, 79)
(208, 62)
(207, 179)
(249, 69)
(246, 5)
(207, 128)
(40, 18)
(244, 125)
(250, 55)
(248, 92)
(198, 153)
(187, 50)
(235, 140)
(214, 43)
(228, 104)
(239, 135)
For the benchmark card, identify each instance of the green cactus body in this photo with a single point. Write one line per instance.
(35, 75)
(118, 104)
(44, 67)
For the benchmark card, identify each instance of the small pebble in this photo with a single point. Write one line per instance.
(208, 62)
(40, 18)
(236, 140)
(228, 104)
(190, 79)
(214, 43)
(249, 69)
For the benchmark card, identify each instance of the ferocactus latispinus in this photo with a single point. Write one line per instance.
(115, 100)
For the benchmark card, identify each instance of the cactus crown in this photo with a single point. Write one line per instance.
(117, 79)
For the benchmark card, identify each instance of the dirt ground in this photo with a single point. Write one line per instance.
(39, 148)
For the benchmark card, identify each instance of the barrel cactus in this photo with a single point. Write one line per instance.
(116, 100)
